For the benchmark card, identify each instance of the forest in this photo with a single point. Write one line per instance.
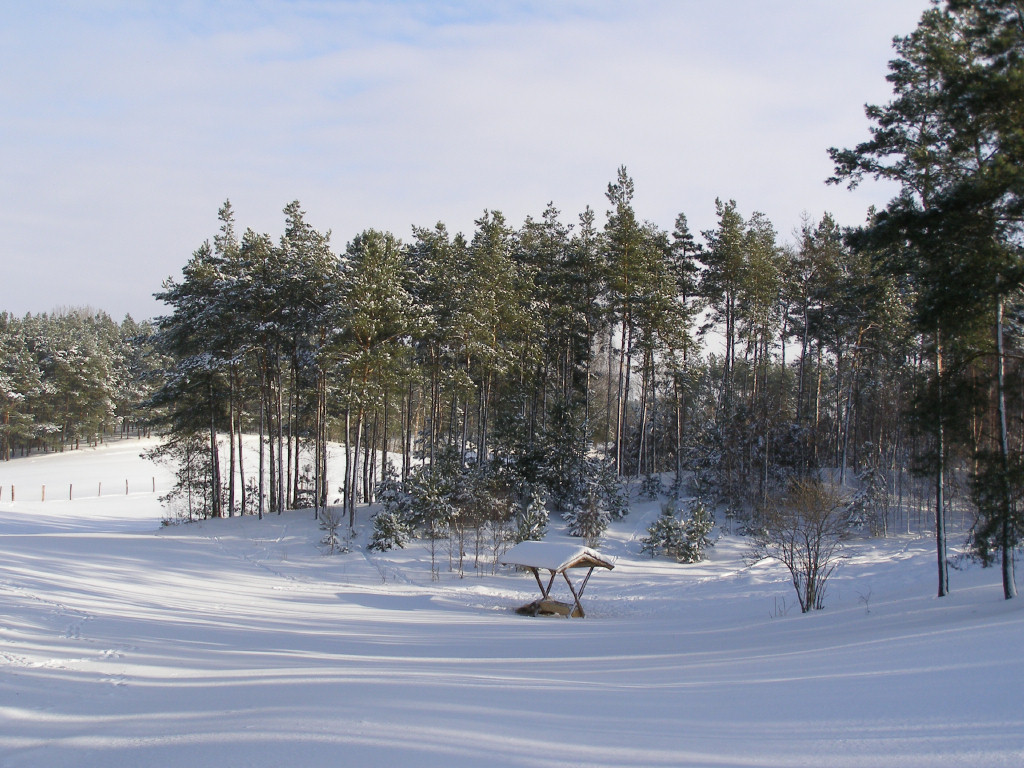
(545, 365)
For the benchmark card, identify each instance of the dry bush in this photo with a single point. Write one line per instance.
(804, 529)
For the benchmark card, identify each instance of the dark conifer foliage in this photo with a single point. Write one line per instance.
(71, 377)
(951, 137)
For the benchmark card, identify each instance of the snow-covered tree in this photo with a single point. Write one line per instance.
(685, 538)
(588, 520)
(532, 524)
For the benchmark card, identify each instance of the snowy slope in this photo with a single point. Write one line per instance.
(238, 642)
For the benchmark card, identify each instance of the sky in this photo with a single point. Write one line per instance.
(125, 125)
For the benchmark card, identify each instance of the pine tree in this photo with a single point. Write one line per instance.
(376, 321)
(951, 138)
(192, 390)
(624, 240)
(724, 261)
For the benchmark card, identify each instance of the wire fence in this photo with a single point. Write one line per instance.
(31, 492)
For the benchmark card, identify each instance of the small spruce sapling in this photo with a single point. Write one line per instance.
(650, 487)
(389, 532)
(698, 527)
(588, 521)
(687, 540)
(533, 520)
(391, 525)
(609, 488)
(666, 535)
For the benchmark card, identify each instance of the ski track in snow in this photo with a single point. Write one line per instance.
(261, 558)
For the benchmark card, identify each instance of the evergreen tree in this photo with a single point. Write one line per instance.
(624, 239)
(533, 519)
(685, 539)
(697, 533)
(666, 535)
(391, 525)
(951, 138)
(588, 520)
(191, 394)
(377, 321)
(20, 381)
(582, 287)
(725, 267)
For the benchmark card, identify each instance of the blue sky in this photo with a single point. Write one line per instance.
(125, 125)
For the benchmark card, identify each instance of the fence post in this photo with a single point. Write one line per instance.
(99, 489)
(126, 486)
(70, 486)
(44, 493)
(154, 485)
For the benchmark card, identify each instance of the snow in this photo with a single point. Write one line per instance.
(238, 642)
(550, 555)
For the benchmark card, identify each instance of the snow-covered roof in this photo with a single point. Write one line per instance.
(555, 557)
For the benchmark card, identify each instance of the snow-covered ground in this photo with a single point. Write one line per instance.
(238, 642)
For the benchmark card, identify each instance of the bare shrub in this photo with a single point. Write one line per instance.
(804, 529)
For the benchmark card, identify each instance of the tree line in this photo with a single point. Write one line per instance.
(69, 377)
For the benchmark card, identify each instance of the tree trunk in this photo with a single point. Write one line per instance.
(940, 474)
(355, 467)
(346, 496)
(1006, 511)
(817, 407)
(621, 397)
(324, 438)
(241, 464)
(370, 459)
(608, 382)
(677, 391)
(643, 414)
(293, 435)
(215, 505)
(803, 367)
(407, 439)
(231, 440)
(384, 439)
(279, 407)
(263, 413)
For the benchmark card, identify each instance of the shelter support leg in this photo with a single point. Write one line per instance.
(577, 595)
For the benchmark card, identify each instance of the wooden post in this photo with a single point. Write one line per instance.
(99, 489)
(154, 485)
(44, 493)
(126, 486)
(70, 486)
(12, 493)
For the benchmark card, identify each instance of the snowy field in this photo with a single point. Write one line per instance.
(238, 642)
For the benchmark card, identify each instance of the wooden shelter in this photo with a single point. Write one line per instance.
(537, 556)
